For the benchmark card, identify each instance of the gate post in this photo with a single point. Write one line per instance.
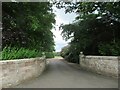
(81, 57)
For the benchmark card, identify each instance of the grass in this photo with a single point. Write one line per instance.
(58, 57)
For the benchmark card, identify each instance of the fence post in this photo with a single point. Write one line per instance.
(81, 57)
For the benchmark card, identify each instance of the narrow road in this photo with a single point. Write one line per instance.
(59, 74)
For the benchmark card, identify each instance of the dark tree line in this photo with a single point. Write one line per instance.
(95, 31)
(28, 25)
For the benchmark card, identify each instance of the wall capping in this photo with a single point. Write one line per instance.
(25, 59)
(103, 57)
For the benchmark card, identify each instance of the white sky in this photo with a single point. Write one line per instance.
(61, 17)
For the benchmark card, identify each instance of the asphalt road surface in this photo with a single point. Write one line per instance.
(60, 74)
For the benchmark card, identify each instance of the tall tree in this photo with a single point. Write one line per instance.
(96, 28)
(28, 25)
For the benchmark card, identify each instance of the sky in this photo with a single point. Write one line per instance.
(61, 17)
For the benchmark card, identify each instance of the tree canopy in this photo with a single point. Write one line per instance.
(28, 25)
(27, 30)
(96, 30)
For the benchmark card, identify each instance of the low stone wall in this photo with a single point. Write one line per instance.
(17, 71)
(105, 65)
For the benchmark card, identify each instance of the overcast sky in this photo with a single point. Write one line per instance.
(61, 17)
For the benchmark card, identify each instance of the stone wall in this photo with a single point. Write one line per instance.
(105, 65)
(17, 71)
(0, 76)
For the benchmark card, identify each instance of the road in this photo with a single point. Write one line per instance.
(59, 74)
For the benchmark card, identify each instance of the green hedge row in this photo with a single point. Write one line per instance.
(19, 53)
(49, 54)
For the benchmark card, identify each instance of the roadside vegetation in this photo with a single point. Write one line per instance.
(27, 30)
(95, 30)
(18, 53)
(57, 55)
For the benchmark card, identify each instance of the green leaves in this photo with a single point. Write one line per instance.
(49, 54)
(9, 53)
(109, 48)
(95, 29)
(28, 25)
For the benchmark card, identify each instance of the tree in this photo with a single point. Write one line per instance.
(28, 25)
(96, 28)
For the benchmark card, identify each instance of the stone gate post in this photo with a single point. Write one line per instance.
(81, 57)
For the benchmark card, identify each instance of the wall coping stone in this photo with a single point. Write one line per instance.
(26, 59)
(103, 57)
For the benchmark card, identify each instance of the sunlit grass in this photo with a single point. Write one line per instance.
(58, 57)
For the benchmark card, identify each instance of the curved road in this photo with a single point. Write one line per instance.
(59, 74)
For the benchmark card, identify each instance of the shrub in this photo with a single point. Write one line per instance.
(57, 53)
(109, 49)
(65, 51)
(49, 54)
(70, 53)
(19, 53)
